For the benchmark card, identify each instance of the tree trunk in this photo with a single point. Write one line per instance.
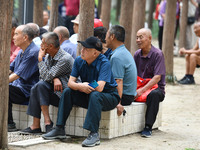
(99, 7)
(151, 10)
(6, 11)
(53, 15)
(138, 21)
(86, 21)
(168, 38)
(126, 21)
(183, 24)
(38, 12)
(118, 10)
(105, 12)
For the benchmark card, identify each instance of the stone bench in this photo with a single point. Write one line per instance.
(111, 125)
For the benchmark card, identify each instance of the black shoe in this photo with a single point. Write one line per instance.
(12, 127)
(30, 131)
(49, 127)
(182, 79)
(187, 81)
(56, 133)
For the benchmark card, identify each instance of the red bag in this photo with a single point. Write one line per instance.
(141, 83)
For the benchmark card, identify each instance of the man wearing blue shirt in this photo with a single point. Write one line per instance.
(90, 66)
(24, 71)
(65, 44)
(123, 66)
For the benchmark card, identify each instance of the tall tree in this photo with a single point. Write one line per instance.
(86, 21)
(118, 6)
(151, 10)
(53, 15)
(126, 21)
(38, 12)
(105, 12)
(138, 21)
(99, 7)
(168, 38)
(6, 11)
(183, 24)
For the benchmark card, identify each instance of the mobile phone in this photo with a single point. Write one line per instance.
(93, 84)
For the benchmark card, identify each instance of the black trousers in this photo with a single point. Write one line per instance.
(42, 93)
(127, 99)
(160, 36)
(153, 99)
(16, 96)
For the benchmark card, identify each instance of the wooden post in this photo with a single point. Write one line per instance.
(53, 15)
(86, 21)
(151, 10)
(38, 12)
(126, 20)
(118, 6)
(137, 21)
(6, 11)
(99, 7)
(168, 38)
(183, 24)
(105, 12)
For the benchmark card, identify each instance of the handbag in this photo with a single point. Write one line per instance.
(190, 20)
(141, 83)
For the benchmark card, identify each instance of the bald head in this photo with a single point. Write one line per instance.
(63, 31)
(197, 29)
(145, 31)
(35, 28)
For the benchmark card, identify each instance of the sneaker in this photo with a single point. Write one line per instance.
(91, 140)
(187, 81)
(12, 127)
(182, 79)
(49, 127)
(30, 131)
(146, 133)
(56, 133)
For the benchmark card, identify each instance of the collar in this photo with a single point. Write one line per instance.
(57, 56)
(119, 47)
(149, 54)
(66, 41)
(94, 63)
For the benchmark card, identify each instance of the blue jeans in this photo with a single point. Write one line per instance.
(95, 102)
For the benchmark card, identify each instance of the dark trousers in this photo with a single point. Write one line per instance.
(16, 96)
(70, 24)
(153, 99)
(127, 99)
(42, 93)
(95, 102)
(160, 36)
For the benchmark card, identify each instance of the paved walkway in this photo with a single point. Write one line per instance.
(180, 126)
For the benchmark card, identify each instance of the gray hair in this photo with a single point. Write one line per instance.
(27, 30)
(51, 38)
(63, 31)
(35, 28)
(118, 31)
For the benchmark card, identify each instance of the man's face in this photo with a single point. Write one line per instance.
(87, 53)
(75, 27)
(143, 40)
(108, 40)
(197, 30)
(45, 18)
(19, 38)
(45, 46)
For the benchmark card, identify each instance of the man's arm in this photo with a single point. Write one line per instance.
(194, 3)
(119, 87)
(194, 50)
(149, 85)
(13, 77)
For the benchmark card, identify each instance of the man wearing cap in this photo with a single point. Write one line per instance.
(90, 66)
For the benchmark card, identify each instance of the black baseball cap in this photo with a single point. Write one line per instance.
(92, 42)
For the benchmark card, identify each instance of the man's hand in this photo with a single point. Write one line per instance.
(57, 85)
(41, 54)
(84, 87)
(139, 93)
(182, 51)
(120, 109)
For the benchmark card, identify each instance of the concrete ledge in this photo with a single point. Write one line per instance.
(111, 125)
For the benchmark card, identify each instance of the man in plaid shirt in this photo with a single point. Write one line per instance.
(54, 75)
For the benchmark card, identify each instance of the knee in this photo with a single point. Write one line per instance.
(193, 56)
(94, 96)
(38, 86)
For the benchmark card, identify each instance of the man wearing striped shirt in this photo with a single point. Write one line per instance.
(54, 74)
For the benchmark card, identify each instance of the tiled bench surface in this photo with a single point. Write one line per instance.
(111, 125)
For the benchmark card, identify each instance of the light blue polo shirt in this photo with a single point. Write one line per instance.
(123, 67)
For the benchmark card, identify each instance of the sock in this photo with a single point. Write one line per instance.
(60, 126)
(190, 76)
